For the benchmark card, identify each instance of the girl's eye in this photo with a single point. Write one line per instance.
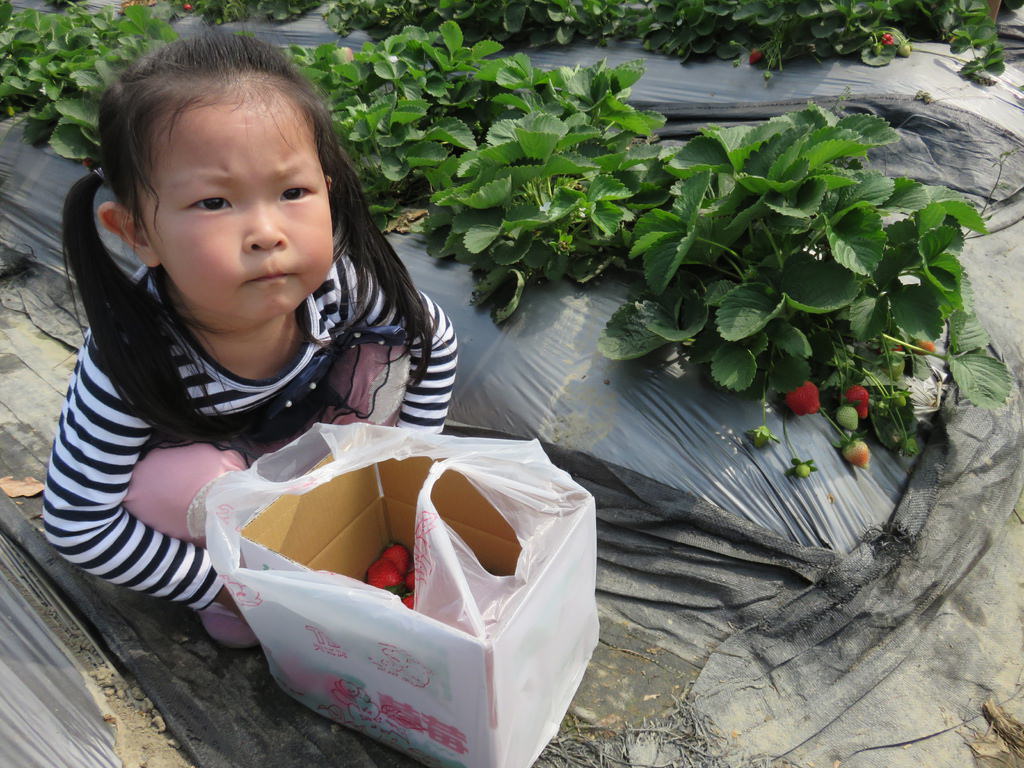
(212, 204)
(295, 193)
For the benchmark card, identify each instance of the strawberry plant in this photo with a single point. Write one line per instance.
(779, 30)
(787, 267)
(53, 67)
(403, 107)
(535, 22)
(563, 170)
(225, 11)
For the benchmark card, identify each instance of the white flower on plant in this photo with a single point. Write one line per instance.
(393, 59)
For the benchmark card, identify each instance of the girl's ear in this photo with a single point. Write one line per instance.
(116, 219)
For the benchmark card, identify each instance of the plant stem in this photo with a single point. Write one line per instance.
(907, 344)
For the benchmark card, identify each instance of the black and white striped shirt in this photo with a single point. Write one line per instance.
(99, 441)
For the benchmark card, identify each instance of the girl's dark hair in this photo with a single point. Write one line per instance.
(131, 328)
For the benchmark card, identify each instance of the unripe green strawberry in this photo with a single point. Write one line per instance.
(801, 468)
(905, 49)
(896, 367)
(846, 417)
(761, 436)
(857, 453)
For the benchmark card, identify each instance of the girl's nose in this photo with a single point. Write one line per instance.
(264, 233)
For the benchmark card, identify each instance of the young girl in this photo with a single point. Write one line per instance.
(266, 301)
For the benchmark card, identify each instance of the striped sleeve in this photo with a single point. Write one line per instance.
(425, 405)
(95, 450)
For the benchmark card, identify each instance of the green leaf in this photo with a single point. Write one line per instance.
(746, 310)
(504, 312)
(788, 372)
(607, 216)
(871, 187)
(937, 241)
(407, 111)
(80, 111)
(966, 332)
(965, 214)
(478, 238)
(716, 291)
(539, 133)
(453, 131)
(425, 153)
(490, 194)
(828, 150)
(626, 336)
(873, 130)
(694, 315)
(701, 153)
(788, 338)
(733, 366)
(916, 310)
(485, 48)
(857, 240)
(452, 35)
(985, 381)
(868, 316)
(68, 141)
(606, 188)
(386, 69)
(654, 227)
(804, 204)
(818, 286)
(690, 195)
(662, 261)
(908, 196)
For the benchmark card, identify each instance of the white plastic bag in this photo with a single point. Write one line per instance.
(482, 672)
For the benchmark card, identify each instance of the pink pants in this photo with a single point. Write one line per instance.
(165, 482)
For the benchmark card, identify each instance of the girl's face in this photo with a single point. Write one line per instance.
(241, 219)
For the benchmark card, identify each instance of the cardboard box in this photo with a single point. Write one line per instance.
(343, 526)
(480, 684)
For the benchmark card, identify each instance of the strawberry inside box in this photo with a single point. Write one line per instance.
(343, 525)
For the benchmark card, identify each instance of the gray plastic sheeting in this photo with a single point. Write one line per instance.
(47, 717)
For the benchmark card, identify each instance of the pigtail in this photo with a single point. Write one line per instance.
(378, 267)
(130, 328)
(101, 283)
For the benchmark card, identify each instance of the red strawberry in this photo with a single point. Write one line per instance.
(187, 6)
(858, 396)
(804, 399)
(383, 574)
(857, 453)
(410, 580)
(398, 555)
(888, 39)
(755, 56)
(927, 346)
(408, 600)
